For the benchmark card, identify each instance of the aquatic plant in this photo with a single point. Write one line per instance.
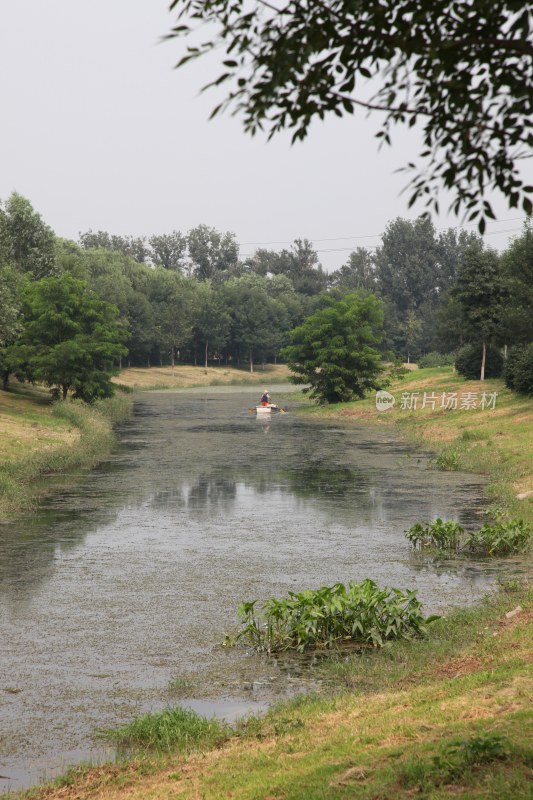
(331, 616)
(500, 539)
(437, 534)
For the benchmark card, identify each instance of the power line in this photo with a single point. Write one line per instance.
(372, 246)
(377, 235)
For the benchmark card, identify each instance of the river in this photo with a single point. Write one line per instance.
(115, 596)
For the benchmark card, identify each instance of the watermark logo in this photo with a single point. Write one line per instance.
(384, 400)
(448, 401)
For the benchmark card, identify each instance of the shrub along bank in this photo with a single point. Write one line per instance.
(39, 438)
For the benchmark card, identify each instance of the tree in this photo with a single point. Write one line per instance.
(10, 322)
(70, 338)
(211, 321)
(254, 316)
(408, 279)
(172, 299)
(27, 242)
(482, 294)
(211, 251)
(358, 273)
(132, 246)
(168, 250)
(334, 349)
(9, 304)
(517, 269)
(462, 70)
(139, 322)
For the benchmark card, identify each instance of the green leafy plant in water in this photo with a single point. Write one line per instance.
(500, 539)
(438, 535)
(331, 616)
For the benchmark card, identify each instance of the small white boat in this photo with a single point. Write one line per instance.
(266, 409)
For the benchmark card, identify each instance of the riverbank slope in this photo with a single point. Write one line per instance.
(38, 438)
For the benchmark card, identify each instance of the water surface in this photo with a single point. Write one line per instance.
(128, 577)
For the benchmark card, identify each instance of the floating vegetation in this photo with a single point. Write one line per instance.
(361, 613)
(498, 539)
(438, 535)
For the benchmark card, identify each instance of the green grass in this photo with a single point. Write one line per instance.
(169, 730)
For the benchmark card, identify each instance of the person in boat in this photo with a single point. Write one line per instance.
(265, 398)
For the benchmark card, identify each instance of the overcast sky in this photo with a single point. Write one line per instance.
(99, 131)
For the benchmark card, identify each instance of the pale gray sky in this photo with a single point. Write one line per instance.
(100, 132)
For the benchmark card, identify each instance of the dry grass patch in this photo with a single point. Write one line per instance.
(182, 377)
(27, 425)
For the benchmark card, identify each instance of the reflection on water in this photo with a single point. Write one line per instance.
(129, 577)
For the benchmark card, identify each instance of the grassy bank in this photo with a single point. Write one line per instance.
(446, 716)
(39, 438)
(181, 377)
(497, 442)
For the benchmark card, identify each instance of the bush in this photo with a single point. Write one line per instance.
(435, 359)
(519, 369)
(361, 613)
(468, 362)
(511, 364)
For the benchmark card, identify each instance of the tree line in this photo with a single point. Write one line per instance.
(74, 311)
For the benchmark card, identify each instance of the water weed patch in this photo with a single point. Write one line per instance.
(498, 539)
(330, 617)
(438, 535)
